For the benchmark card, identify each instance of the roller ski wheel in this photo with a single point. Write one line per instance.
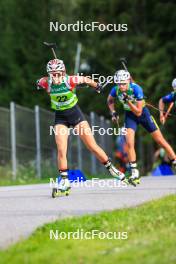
(125, 180)
(137, 181)
(67, 192)
(54, 193)
(128, 180)
(132, 182)
(58, 192)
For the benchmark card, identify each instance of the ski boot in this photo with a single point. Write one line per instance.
(62, 187)
(132, 174)
(120, 176)
(174, 165)
(134, 178)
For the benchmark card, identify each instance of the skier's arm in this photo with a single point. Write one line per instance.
(162, 102)
(111, 103)
(43, 84)
(138, 106)
(75, 80)
(161, 107)
(136, 109)
(86, 80)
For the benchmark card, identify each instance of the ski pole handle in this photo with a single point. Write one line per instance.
(52, 46)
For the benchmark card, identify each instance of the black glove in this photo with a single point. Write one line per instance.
(99, 88)
(126, 97)
(115, 116)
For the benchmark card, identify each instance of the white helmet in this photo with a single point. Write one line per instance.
(174, 84)
(121, 76)
(55, 65)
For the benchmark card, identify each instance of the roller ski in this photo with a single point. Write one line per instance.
(57, 193)
(62, 187)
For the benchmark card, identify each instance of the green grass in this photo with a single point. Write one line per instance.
(151, 238)
(27, 175)
(21, 180)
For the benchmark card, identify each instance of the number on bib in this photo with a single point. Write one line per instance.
(62, 98)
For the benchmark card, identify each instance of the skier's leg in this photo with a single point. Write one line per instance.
(130, 140)
(85, 133)
(158, 137)
(61, 139)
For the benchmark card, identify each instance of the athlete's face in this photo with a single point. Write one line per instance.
(57, 77)
(123, 86)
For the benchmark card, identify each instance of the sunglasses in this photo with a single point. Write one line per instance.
(122, 84)
(55, 74)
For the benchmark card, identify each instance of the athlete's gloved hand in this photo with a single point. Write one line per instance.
(126, 97)
(38, 85)
(99, 88)
(162, 119)
(115, 117)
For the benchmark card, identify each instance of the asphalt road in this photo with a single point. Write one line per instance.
(24, 208)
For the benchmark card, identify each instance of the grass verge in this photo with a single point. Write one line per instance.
(27, 175)
(151, 230)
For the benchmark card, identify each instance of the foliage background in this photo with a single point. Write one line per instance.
(148, 45)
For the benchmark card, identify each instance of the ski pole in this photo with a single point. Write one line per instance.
(52, 46)
(124, 62)
(168, 110)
